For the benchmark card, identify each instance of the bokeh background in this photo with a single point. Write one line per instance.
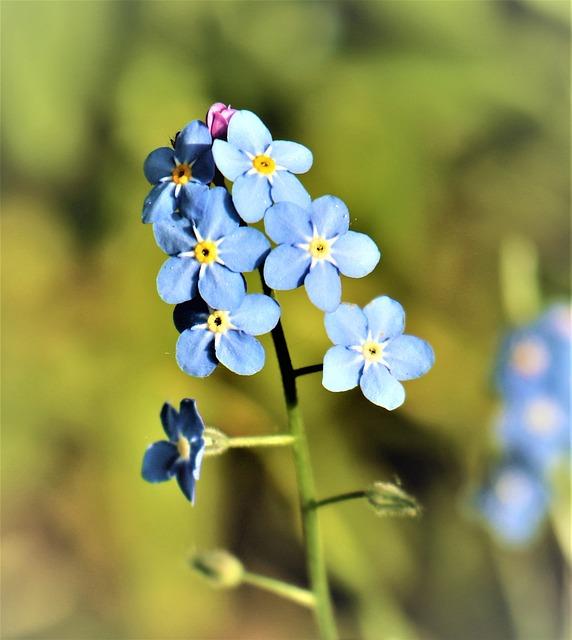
(445, 127)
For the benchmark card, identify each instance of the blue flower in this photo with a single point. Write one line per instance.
(372, 351)
(315, 246)
(182, 454)
(261, 169)
(178, 174)
(208, 254)
(209, 336)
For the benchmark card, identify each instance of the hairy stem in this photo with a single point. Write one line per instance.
(277, 440)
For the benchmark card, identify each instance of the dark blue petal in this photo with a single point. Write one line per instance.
(169, 420)
(218, 217)
(408, 357)
(186, 480)
(244, 250)
(355, 254)
(251, 196)
(286, 267)
(174, 235)
(381, 388)
(159, 461)
(190, 423)
(347, 325)
(177, 280)
(203, 168)
(295, 157)
(221, 288)
(330, 215)
(190, 313)
(159, 203)
(256, 315)
(247, 132)
(385, 318)
(287, 188)
(287, 223)
(323, 286)
(195, 352)
(193, 140)
(342, 369)
(231, 162)
(159, 164)
(240, 352)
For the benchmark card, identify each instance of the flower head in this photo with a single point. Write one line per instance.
(314, 247)
(372, 351)
(179, 174)
(218, 117)
(261, 169)
(208, 253)
(209, 336)
(181, 455)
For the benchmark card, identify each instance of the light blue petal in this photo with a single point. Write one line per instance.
(170, 420)
(286, 267)
(240, 352)
(323, 286)
(231, 162)
(342, 369)
(330, 215)
(408, 357)
(247, 132)
(347, 325)
(195, 352)
(186, 480)
(256, 315)
(190, 313)
(385, 317)
(159, 461)
(287, 188)
(355, 254)
(190, 423)
(295, 157)
(218, 217)
(287, 223)
(193, 140)
(174, 235)
(159, 164)
(221, 288)
(244, 250)
(381, 388)
(203, 168)
(159, 203)
(177, 280)
(191, 193)
(251, 196)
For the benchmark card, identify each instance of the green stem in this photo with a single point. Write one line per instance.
(291, 592)
(277, 440)
(314, 552)
(342, 497)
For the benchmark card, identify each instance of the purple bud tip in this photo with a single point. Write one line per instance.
(218, 117)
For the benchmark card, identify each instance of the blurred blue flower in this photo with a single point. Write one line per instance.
(209, 253)
(260, 168)
(372, 351)
(314, 247)
(209, 336)
(178, 174)
(182, 454)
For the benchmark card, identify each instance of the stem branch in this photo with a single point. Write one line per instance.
(278, 440)
(313, 368)
(342, 497)
(291, 592)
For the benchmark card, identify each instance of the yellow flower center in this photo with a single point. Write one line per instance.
(181, 174)
(218, 322)
(184, 448)
(264, 164)
(372, 351)
(529, 357)
(205, 251)
(319, 248)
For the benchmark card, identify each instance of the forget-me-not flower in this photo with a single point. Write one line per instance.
(209, 336)
(181, 455)
(178, 174)
(372, 351)
(314, 247)
(208, 253)
(261, 169)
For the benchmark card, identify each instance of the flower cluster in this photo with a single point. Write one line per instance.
(533, 379)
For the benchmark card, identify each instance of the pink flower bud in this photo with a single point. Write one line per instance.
(218, 117)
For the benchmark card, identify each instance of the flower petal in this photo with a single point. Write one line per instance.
(240, 352)
(186, 479)
(159, 461)
(286, 267)
(203, 168)
(295, 157)
(381, 388)
(408, 357)
(251, 196)
(247, 132)
(231, 162)
(221, 288)
(170, 420)
(256, 315)
(385, 317)
(287, 188)
(323, 286)
(177, 280)
(190, 423)
(342, 369)
(159, 164)
(347, 325)
(287, 223)
(195, 352)
(174, 235)
(355, 254)
(244, 250)
(190, 313)
(218, 217)
(191, 193)
(193, 140)
(330, 216)
(159, 203)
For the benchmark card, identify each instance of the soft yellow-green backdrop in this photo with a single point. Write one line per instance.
(444, 126)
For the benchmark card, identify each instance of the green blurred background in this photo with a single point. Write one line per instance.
(445, 127)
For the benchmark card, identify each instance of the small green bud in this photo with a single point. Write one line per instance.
(216, 442)
(388, 499)
(219, 567)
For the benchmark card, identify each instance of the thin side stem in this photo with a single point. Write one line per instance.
(277, 440)
(291, 592)
(313, 368)
(342, 497)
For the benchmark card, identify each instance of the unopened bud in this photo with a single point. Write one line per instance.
(216, 442)
(388, 499)
(219, 567)
(218, 117)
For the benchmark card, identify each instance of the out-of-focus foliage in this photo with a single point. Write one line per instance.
(444, 126)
